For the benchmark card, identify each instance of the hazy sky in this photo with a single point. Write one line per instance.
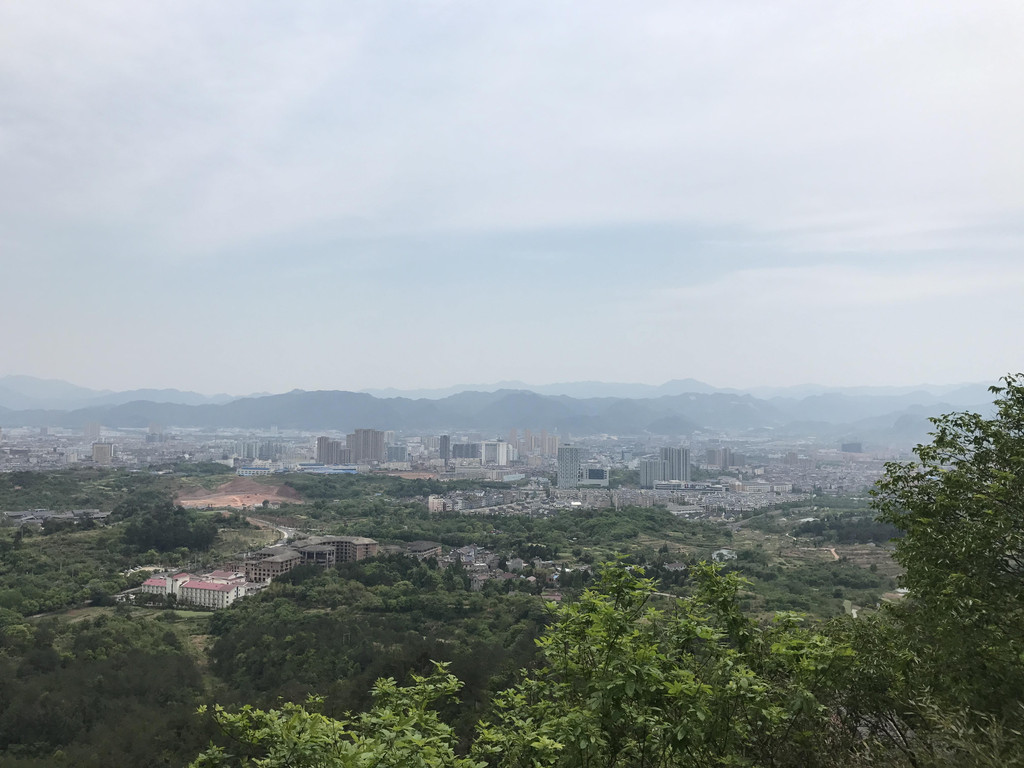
(244, 196)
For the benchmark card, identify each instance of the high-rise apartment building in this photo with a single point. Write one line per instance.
(367, 445)
(496, 452)
(568, 466)
(91, 432)
(723, 458)
(678, 461)
(446, 448)
(652, 471)
(398, 453)
(103, 453)
(332, 452)
(466, 451)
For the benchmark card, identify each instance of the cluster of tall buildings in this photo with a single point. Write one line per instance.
(541, 443)
(671, 464)
(265, 450)
(723, 458)
(364, 446)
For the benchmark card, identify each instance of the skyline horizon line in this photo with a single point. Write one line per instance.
(512, 384)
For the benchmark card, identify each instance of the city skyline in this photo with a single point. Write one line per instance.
(744, 194)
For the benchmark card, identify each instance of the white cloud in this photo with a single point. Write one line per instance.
(853, 158)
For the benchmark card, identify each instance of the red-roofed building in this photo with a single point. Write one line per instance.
(155, 586)
(226, 576)
(219, 589)
(210, 594)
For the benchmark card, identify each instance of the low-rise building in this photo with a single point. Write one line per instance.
(267, 565)
(424, 549)
(209, 594)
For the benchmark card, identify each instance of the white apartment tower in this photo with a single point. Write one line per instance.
(568, 466)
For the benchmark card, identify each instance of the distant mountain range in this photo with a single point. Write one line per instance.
(27, 392)
(965, 393)
(875, 416)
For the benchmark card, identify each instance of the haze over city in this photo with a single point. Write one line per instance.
(249, 197)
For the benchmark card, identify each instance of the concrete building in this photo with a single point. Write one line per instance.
(210, 594)
(216, 590)
(466, 451)
(332, 452)
(652, 472)
(423, 549)
(398, 453)
(325, 551)
(367, 445)
(568, 466)
(347, 549)
(496, 452)
(594, 477)
(271, 562)
(677, 462)
(254, 471)
(103, 453)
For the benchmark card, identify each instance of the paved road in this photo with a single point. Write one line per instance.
(286, 533)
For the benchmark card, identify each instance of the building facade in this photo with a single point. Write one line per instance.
(367, 446)
(568, 466)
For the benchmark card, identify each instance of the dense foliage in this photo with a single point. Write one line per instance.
(164, 527)
(334, 633)
(45, 573)
(625, 681)
(113, 691)
(962, 507)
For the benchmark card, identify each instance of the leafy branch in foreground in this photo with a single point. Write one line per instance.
(400, 730)
(962, 508)
(627, 684)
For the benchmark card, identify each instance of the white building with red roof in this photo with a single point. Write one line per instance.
(210, 594)
(218, 589)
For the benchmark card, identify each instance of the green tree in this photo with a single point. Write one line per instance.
(401, 730)
(627, 684)
(961, 506)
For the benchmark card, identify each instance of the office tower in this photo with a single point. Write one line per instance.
(398, 453)
(367, 445)
(678, 461)
(446, 448)
(568, 466)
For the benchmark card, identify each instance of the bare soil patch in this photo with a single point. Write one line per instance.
(239, 493)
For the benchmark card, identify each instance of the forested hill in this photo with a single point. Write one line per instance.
(880, 417)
